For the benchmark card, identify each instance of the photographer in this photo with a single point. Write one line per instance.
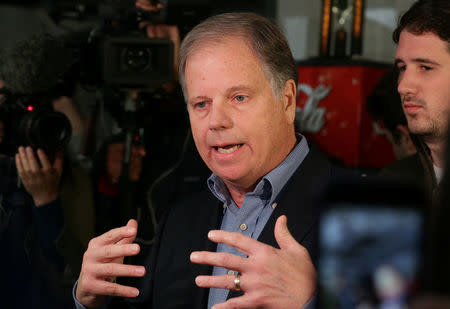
(44, 229)
(46, 221)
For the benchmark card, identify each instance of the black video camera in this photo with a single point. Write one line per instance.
(118, 55)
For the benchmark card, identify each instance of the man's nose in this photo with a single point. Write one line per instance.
(220, 116)
(407, 83)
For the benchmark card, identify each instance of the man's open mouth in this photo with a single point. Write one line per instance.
(228, 148)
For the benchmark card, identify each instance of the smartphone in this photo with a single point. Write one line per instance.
(371, 245)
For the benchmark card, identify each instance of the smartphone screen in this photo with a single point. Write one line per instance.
(370, 255)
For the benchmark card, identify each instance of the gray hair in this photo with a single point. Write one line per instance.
(262, 36)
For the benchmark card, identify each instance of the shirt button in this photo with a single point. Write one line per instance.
(243, 227)
(231, 272)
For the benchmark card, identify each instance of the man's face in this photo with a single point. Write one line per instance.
(424, 83)
(240, 129)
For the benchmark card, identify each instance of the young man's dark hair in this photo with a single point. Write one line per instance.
(426, 16)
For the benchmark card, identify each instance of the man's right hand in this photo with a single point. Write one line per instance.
(103, 263)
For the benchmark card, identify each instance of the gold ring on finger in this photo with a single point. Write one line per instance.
(237, 282)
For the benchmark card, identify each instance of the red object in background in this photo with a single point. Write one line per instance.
(331, 111)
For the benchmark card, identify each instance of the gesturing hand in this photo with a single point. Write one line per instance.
(103, 262)
(269, 277)
(41, 181)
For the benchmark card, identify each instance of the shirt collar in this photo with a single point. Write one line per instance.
(271, 184)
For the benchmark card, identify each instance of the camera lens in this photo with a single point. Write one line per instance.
(137, 59)
(48, 130)
(51, 132)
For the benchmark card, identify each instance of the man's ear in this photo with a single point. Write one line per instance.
(289, 99)
(405, 138)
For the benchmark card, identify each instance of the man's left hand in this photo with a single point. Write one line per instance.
(269, 277)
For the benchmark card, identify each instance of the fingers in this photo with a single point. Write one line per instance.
(115, 235)
(24, 159)
(282, 234)
(120, 270)
(45, 163)
(219, 282)
(132, 224)
(28, 162)
(19, 165)
(101, 287)
(241, 242)
(128, 240)
(103, 262)
(285, 239)
(225, 260)
(109, 252)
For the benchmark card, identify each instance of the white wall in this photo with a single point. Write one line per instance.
(301, 19)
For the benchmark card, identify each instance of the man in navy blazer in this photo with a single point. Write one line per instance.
(229, 247)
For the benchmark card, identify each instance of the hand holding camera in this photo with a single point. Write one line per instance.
(40, 178)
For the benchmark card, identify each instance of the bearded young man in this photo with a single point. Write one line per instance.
(423, 62)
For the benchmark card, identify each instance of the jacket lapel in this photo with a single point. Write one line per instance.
(213, 223)
(299, 203)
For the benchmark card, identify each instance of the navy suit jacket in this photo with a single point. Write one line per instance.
(169, 281)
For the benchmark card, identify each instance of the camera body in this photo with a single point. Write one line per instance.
(119, 56)
(128, 62)
(33, 122)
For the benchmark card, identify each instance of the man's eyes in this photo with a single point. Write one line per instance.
(423, 67)
(200, 105)
(401, 68)
(240, 98)
(426, 67)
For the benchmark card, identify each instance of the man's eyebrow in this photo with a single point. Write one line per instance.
(238, 88)
(417, 60)
(198, 98)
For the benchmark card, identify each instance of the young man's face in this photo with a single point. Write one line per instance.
(424, 83)
(241, 130)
